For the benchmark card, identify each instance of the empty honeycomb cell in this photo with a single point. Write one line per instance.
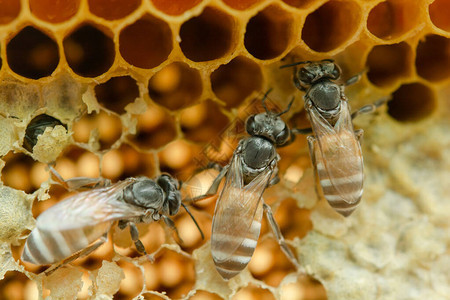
(16, 173)
(412, 102)
(175, 7)
(331, 25)
(433, 58)
(10, 9)
(175, 86)
(146, 43)
(241, 4)
(388, 63)
(32, 54)
(89, 51)
(206, 125)
(236, 80)
(299, 3)
(439, 14)
(117, 93)
(54, 11)
(268, 33)
(155, 128)
(392, 18)
(113, 9)
(208, 36)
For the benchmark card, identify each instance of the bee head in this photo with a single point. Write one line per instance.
(314, 71)
(171, 188)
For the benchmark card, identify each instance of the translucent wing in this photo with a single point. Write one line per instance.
(238, 212)
(89, 208)
(340, 152)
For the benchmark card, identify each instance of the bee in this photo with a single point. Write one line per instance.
(79, 224)
(239, 209)
(335, 147)
(36, 127)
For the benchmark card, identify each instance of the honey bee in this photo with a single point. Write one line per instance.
(69, 229)
(239, 209)
(335, 147)
(36, 127)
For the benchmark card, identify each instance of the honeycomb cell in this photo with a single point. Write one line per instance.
(208, 36)
(54, 11)
(331, 25)
(433, 58)
(236, 80)
(89, 51)
(388, 63)
(202, 122)
(10, 10)
(155, 128)
(268, 33)
(36, 127)
(176, 86)
(204, 295)
(392, 18)
(439, 14)
(412, 102)
(146, 43)
(16, 173)
(113, 9)
(117, 93)
(32, 54)
(241, 4)
(175, 7)
(251, 292)
(299, 3)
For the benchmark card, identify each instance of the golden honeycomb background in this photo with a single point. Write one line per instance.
(149, 86)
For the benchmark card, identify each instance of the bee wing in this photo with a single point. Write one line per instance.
(340, 152)
(237, 211)
(89, 208)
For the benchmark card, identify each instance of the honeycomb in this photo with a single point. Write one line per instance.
(141, 87)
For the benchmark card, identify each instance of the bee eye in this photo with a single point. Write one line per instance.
(250, 124)
(283, 136)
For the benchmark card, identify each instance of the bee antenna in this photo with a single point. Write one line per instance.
(296, 64)
(264, 100)
(193, 219)
(287, 109)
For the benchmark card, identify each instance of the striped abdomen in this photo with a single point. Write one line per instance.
(45, 247)
(340, 170)
(230, 262)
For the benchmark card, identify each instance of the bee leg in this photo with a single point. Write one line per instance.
(78, 182)
(297, 83)
(279, 236)
(275, 179)
(355, 78)
(370, 108)
(169, 222)
(212, 189)
(312, 153)
(134, 232)
(359, 135)
(82, 253)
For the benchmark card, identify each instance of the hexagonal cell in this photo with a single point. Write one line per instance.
(131, 285)
(433, 58)
(392, 18)
(268, 33)
(304, 288)
(331, 25)
(202, 122)
(241, 4)
(113, 9)
(176, 156)
(108, 127)
(10, 10)
(175, 7)
(89, 51)
(117, 93)
(146, 43)
(175, 86)
(439, 12)
(236, 80)
(36, 127)
(299, 3)
(208, 36)
(205, 295)
(12, 285)
(252, 292)
(412, 102)
(155, 128)
(54, 11)
(389, 63)
(32, 54)
(16, 172)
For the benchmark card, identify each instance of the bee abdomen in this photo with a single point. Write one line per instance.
(235, 262)
(47, 247)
